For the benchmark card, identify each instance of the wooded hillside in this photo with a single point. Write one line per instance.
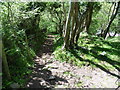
(59, 44)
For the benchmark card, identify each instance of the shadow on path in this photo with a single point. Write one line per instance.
(99, 57)
(42, 77)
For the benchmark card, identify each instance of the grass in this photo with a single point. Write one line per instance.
(79, 84)
(93, 51)
(67, 73)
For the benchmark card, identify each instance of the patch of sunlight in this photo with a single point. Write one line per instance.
(61, 86)
(115, 39)
(79, 84)
(88, 77)
(107, 65)
(106, 46)
(87, 56)
(114, 57)
(67, 72)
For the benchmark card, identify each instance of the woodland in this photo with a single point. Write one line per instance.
(60, 44)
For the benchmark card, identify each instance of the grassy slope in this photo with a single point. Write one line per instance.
(92, 51)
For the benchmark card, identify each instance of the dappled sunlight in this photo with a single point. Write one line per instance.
(41, 77)
(97, 65)
(60, 45)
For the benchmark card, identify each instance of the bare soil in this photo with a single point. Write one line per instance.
(51, 73)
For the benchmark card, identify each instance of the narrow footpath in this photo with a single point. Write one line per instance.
(51, 73)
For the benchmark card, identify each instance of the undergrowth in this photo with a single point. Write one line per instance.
(91, 51)
(20, 54)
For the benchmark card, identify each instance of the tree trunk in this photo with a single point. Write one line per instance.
(61, 24)
(110, 22)
(64, 10)
(75, 24)
(5, 64)
(80, 21)
(118, 29)
(114, 34)
(89, 15)
(67, 27)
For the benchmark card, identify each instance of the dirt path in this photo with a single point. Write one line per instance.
(50, 73)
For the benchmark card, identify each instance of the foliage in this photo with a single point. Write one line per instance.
(24, 27)
(101, 18)
(92, 49)
(20, 46)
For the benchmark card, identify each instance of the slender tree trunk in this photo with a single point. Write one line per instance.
(75, 24)
(109, 34)
(118, 20)
(64, 19)
(72, 30)
(110, 22)
(67, 27)
(60, 27)
(114, 34)
(5, 64)
(89, 15)
(111, 8)
(81, 20)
